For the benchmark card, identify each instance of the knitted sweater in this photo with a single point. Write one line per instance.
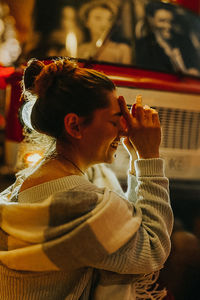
(68, 239)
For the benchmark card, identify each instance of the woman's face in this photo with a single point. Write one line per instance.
(101, 137)
(162, 23)
(99, 20)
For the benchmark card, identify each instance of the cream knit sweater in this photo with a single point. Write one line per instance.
(91, 232)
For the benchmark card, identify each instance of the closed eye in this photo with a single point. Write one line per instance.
(113, 123)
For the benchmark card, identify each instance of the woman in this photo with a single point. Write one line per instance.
(98, 17)
(63, 237)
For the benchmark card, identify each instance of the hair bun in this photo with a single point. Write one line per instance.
(55, 70)
(32, 70)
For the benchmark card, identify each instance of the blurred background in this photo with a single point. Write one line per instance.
(147, 47)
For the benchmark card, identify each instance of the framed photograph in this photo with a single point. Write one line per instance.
(167, 38)
(147, 34)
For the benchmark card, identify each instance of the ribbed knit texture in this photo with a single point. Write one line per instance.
(41, 286)
(41, 191)
(149, 167)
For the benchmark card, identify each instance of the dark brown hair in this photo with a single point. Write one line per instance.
(62, 87)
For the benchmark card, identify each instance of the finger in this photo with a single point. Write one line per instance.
(125, 112)
(124, 125)
(138, 102)
(148, 115)
(133, 109)
(122, 104)
(139, 113)
(155, 118)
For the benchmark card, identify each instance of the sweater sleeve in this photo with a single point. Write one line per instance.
(149, 248)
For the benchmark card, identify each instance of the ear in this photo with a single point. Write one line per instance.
(72, 125)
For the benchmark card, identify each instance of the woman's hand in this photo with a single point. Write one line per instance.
(143, 129)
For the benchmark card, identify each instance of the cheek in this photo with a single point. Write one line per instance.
(103, 141)
(111, 135)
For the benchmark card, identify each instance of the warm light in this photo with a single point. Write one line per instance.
(71, 44)
(9, 51)
(99, 43)
(32, 158)
(170, 1)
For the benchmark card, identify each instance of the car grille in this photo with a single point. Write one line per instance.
(180, 128)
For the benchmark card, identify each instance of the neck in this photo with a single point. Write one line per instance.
(66, 161)
(71, 153)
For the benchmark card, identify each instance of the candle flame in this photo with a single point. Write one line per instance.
(71, 44)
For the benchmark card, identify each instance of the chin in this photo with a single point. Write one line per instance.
(167, 36)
